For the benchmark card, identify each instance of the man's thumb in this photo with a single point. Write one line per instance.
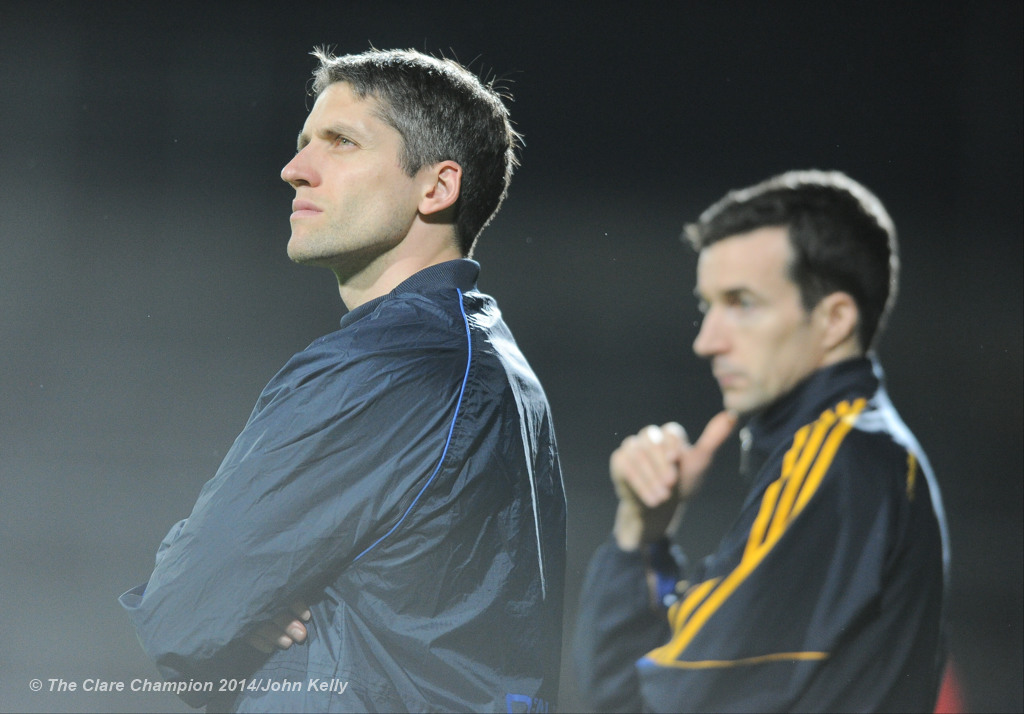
(715, 433)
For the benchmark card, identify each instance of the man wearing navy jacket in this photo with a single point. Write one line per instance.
(827, 592)
(387, 533)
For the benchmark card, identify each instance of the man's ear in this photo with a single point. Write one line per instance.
(443, 187)
(839, 317)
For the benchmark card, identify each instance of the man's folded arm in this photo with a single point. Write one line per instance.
(618, 621)
(286, 510)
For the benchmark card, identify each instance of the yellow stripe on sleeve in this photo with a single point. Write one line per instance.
(911, 475)
(847, 418)
(807, 456)
(681, 610)
(768, 502)
(764, 516)
(746, 661)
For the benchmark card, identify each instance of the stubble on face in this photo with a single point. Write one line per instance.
(759, 338)
(354, 200)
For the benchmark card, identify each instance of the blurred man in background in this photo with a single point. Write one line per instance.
(827, 592)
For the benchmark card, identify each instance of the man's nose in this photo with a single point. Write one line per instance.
(711, 338)
(298, 171)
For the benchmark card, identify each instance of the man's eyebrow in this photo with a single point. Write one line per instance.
(329, 132)
(728, 293)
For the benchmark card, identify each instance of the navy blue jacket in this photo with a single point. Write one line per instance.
(401, 477)
(825, 595)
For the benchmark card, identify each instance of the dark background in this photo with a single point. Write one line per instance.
(145, 295)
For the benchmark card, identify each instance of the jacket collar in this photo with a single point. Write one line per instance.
(776, 424)
(455, 274)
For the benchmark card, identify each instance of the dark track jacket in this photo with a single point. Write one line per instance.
(825, 595)
(401, 477)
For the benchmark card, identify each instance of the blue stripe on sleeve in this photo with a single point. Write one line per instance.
(448, 441)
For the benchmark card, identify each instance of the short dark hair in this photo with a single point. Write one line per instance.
(443, 112)
(842, 238)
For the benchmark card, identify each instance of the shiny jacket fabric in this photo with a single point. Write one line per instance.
(401, 477)
(825, 595)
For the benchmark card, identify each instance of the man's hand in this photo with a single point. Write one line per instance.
(283, 631)
(657, 471)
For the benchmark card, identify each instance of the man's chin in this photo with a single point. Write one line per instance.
(738, 405)
(302, 259)
(303, 256)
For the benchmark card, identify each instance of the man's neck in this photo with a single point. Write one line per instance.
(845, 350)
(387, 271)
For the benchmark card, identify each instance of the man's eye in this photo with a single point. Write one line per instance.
(740, 302)
(340, 141)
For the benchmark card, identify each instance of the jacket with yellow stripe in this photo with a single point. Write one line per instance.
(825, 595)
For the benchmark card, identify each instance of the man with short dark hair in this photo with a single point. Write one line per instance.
(826, 594)
(387, 533)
